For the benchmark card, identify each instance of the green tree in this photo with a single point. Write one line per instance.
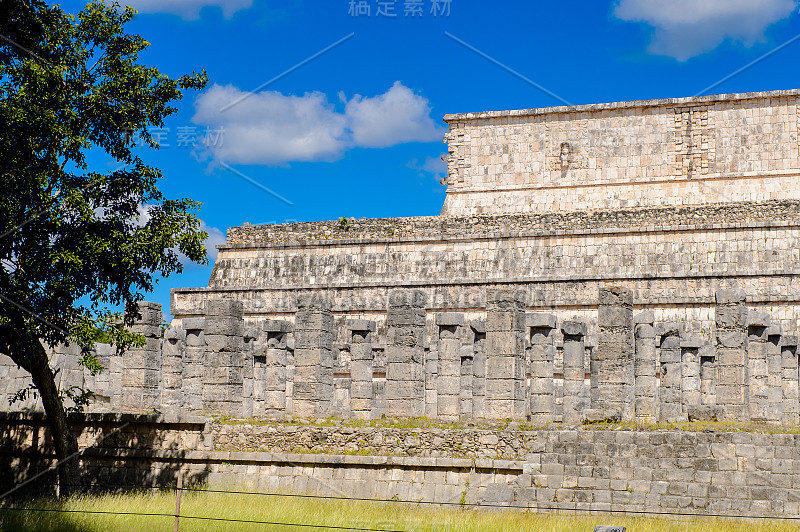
(72, 240)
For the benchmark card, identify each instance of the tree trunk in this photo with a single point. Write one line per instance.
(65, 442)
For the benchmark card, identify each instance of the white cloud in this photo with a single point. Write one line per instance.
(686, 28)
(395, 117)
(187, 9)
(215, 236)
(272, 128)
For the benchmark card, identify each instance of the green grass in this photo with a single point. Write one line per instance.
(328, 513)
(426, 423)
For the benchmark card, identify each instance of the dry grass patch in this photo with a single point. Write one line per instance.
(326, 513)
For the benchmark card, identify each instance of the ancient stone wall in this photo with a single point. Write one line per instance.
(584, 469)
(673, 260)
(684, 151)
(673, 269)
(505, 363)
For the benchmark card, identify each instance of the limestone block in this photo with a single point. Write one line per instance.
(220, 342)
(730, 316)
(574, 328)
(149, 313)
(407, 298)
(223, 325)
(405, 336)
(360, 325)
(312, 339)
(449, 319)
(276, 326)
(788, 341)
(175, 333)
(313, 357)
(644, 331)
(540, 320)
(224, 307)
(150, 331)
(704, 413)
(503, 367)
(193, 324)
(313, 320)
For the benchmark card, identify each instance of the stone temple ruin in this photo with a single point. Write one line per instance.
(590, 262)
(634, 262)
(509, 364)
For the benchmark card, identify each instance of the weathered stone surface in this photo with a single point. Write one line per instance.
(505, 394)
(540, 320)
(613, 360)
(731, 355)
(666, 255)
(705, 412)
(573, 361)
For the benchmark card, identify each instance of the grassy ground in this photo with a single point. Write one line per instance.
(326, 513)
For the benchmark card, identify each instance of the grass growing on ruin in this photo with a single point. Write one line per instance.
(426, 423)
(700, 426)
(294, 511)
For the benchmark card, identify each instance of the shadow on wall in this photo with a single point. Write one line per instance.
(111, 459)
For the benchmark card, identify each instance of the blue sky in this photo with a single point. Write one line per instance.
(356, 130)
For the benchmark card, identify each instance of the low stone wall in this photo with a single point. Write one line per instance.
(483, 225)
(29, 431)
(379, 441)
(584, 469)
(26, 447)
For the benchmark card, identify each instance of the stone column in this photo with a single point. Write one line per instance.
(270, 372)
(730, 315)
(467, 378)
(542, 353)
(313, 357)
(708, 375)
(223, 364)
(774, 374)
(448, 385)
(505, 354)
(172, 354)
(361, 333)
(574, 371)
(645, 387)
(614, 353)
(791, 394)
(478, 368)
(193, 365)
(690, 373)
(250, 349)
(342, 380)
(757, 323)
(671, 372)
(405, 380)
(108, 382)
(141, 366)
(431, 374)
